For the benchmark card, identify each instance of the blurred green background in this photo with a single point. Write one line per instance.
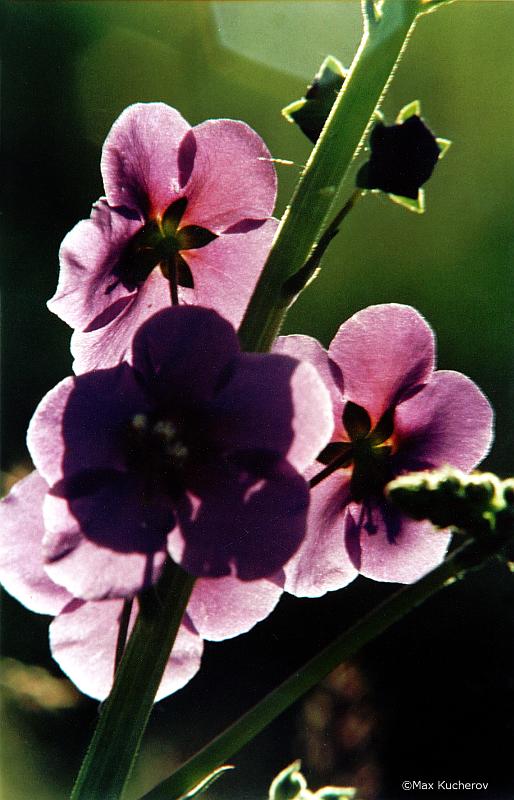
(433, 698)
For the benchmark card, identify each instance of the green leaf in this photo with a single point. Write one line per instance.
(444, 145)
(311, 112)
(410, 110)
(417, 205)
(206, 782)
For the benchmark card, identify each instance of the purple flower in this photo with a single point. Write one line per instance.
(195, 451)
(184, 206)
(392, 414)
(83, 635)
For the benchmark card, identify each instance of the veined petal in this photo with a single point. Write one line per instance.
(78, 426)
(109, 345)
(273, 402)
(231, 175)
(385, 545)
(89, 257)
(106, 544)
(306, 348)
(383, 351)
(139, 164)
(21, 554)
(236, 524)
(322, 564)
(226, 271)
(450, 421)
(183, 353)
(83, 642)
(221, 608)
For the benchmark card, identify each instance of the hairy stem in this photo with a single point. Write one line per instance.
(302, 224)
(124, 716)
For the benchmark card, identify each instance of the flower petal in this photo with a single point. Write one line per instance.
(108, 544)
(111, 344)
(449, 421)
(183, 352)
(305, 348)
(236, 524)
(224, 607)
(383, 352)
(232, 177)
(89, 257)
(385, 545)
(322, 564)
(226, 271)
(273, 402)
(78, 426)
(21, 555)
(83, 642)
(140, 158)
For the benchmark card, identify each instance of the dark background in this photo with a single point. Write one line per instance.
(431, 699)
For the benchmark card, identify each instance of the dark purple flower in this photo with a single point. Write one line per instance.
(393, 414)
(83, 635)
(184, 205)
(195, 451)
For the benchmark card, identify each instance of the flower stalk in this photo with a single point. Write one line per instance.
(382, 44)
(473, 554)
(125, 713)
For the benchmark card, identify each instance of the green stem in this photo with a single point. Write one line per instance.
(124, 716)
(471, 555)
(298, 282)
(122, 632)
(301, 226)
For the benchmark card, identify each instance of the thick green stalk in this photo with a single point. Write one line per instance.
(471, 555)
(124, 716)
(303, 221)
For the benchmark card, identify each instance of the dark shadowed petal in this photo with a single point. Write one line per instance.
(89, 257)
(83, 642)
(182, 352)
(224, 607)
(273, 402)
(383, 352)
(21, 554)
(110, 344)
(305, 348)
(322, 564)
(139, 158)
(231, 177)
(236, 524)
(385, 545)
(226, 271)
(79, 425)
(449, 421)
(108, 543)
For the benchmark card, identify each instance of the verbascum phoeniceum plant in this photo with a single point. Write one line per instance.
(198, 465)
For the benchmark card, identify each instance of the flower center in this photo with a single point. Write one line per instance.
(368, 452)
(156, 448)
(160, 242)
